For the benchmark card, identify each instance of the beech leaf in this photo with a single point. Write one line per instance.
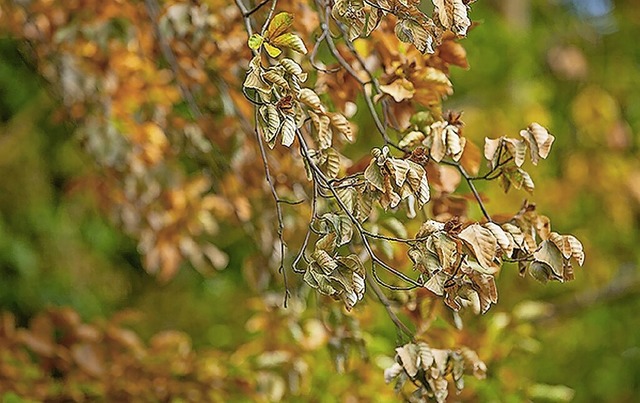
(483, 244)
(291, 41)
(288, 131)
(255, 41)
(280, 23)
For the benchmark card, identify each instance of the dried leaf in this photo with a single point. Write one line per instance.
(411, 139)
(270, 116)
(505, 243)
(549, 254)
(399, 89)
(341, 124)
(392, 372)
(483, 244)
(288, 131)
(452, 15)
(408, 356)
(374, 176)
(421, 36)
(308, 97)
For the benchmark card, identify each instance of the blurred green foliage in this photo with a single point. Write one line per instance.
(578, 74)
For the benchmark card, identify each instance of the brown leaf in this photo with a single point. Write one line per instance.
(483, 245)
(485, 286)
(549, 254)
(400, 89)
(452, 15)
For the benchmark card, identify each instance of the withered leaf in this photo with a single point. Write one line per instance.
(452, 15)
(549, 254)
(408, 356)
(420, 35)
(399, 89)
(483, 244)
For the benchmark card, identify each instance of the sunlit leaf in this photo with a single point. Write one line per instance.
(288, 131)
(291, 41)
(255, 41)
(280, 23)
(452, 14)
(272, 50)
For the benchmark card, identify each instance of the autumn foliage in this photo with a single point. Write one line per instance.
(318, 131)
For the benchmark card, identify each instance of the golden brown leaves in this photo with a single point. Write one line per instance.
(506, 155)
(432, 367)
(396, 179)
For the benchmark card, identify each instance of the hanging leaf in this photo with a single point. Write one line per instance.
(291, 41)
(288, 131)
(341, 124)
(505, 242)
(308, 97)
(452, 15)
(275, 77)
(483, 245)
(332, 165)
(373, 176)
(255, 41)
(272, 50)
(392, 372)
(408, 357)
(280, 23)
(399, 89)
(549, 254)
(411, 139)
(539, 141)
(270, 116)
(421, 36)
(293, 69)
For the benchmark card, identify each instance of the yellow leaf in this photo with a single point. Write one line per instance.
(272, 50)
(291, 41)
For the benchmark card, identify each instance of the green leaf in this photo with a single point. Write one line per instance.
(279, 25)
(291, 41)
(255, 41)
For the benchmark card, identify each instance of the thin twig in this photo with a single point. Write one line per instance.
(472, 187)
(269, 17)
(254, 9)
(387, 306)
(267, 171)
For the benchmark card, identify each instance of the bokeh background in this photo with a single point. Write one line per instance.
(571, 65)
